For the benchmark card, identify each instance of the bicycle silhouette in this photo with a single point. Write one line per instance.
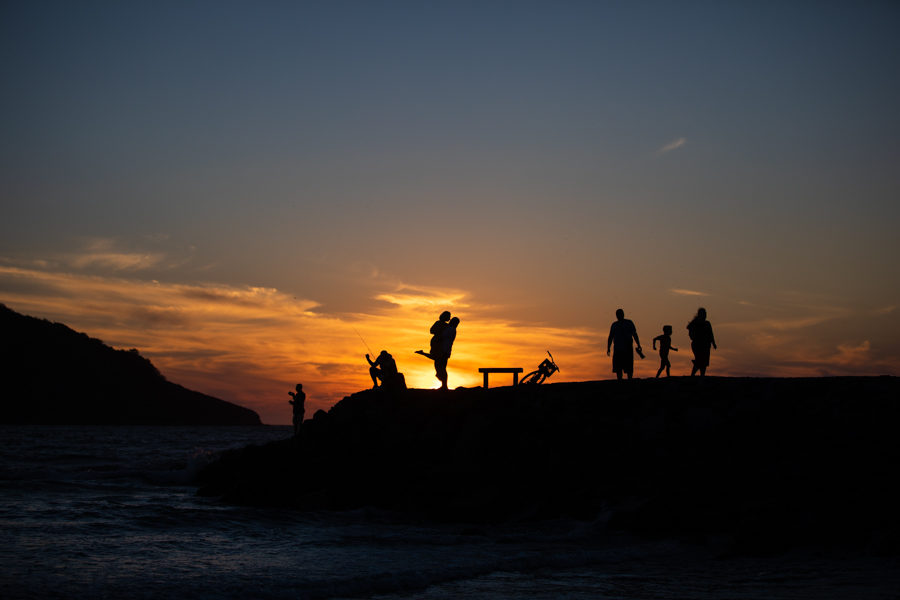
(544, 370)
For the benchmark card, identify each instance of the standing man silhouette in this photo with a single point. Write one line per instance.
(621, 333)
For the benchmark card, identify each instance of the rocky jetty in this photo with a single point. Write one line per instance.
(750, 465)
(53, 375)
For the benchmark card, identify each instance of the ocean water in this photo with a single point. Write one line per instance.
(112, 512)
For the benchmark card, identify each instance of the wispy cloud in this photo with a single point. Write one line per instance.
(684, 292)
(853, 355)
(113, 256)
(104, 254)
(673, 145)
(116, 261)
(410, 297)
(806, 336)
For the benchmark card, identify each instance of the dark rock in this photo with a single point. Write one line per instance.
(757, 465)
(56, 376)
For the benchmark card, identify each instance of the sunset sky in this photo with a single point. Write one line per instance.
(250, 193)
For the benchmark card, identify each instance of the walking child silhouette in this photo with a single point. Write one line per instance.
(665, 344)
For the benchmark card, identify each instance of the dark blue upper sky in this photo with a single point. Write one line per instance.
(620, 149)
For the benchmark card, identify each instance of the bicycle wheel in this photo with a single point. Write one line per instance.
(533, 377)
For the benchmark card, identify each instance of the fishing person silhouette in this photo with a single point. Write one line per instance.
(436, 330)
(299, 398)
(384, 369)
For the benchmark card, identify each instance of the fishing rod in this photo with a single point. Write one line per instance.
(364, 342)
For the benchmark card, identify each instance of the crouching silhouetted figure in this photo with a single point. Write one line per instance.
(299, 399)
(384, 369)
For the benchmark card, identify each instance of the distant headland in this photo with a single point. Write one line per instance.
(54, 375)
(747, 465)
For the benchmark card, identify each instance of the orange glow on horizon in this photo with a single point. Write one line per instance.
(251, 345)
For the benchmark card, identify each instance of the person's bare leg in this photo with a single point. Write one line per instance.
(440, 371)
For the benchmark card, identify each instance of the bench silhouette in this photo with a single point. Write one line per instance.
(488, 370)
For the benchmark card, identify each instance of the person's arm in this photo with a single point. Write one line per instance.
(610, 338)
(654, 341)
(635, 335)
(712, 338)
(371, 364)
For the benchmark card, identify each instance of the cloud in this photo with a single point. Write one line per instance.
(683, 292)
(800, 338)
(792, 323)
(113, 257)
(787, 356)
(110, 256)
(152, 317)
(412, 297)
(673, 145)
(849, 355)
(116, 261)
(105, 254)
(885, 310)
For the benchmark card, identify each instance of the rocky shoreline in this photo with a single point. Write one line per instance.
(750, 465)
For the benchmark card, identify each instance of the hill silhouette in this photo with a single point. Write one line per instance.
(53, 375)
(750, 465)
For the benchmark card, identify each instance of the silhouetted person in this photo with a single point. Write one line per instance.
(701, 333)
(443, 349)
(436, 330)
(665, 344)
(621, 332)
(299, 398)
(383, 368)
